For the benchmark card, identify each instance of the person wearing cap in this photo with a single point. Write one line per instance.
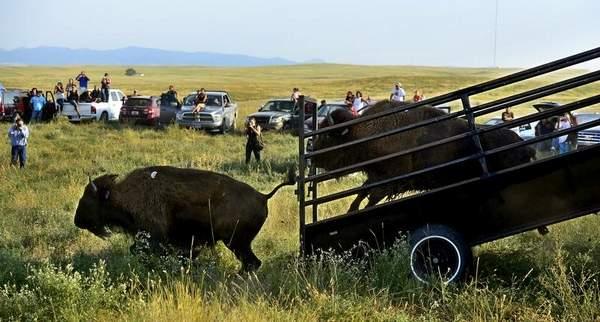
(18, 135)
(37, 102)
(398, 94)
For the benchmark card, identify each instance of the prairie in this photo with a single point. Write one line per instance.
(52, 271)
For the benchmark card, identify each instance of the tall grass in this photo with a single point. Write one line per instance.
(52, 271)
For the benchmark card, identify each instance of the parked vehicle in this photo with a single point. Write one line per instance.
(220, 113)
(525, 131)
(141, 110)
(169, 107)
(281, 114)
(12, 102)
(97, 111)
(589, 136)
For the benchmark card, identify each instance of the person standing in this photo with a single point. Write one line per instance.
(508, 115)
(358, 103)
(253, 145)
(59, 94)
(18, 135)
(562, 142)
(105, 92)
(83, 82)
(295, 95)
(398, 94)
(418, 96)
(37, 103)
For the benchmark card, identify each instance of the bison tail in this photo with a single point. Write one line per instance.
(291, 180)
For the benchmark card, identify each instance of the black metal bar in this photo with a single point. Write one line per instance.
(592, 100)
(480, 88)
(537, 93)
(544, 137)
(301, 169)
(471, 122)
(500, 104)
(353, 191)
(578, 104)
(314, 185)
(349, 192)
(524, 120)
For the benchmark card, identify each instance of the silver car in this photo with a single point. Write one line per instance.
(219, 115)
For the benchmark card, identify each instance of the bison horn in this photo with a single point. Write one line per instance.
(93, 184)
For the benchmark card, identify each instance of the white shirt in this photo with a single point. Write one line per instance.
(358, 103)
(562, 125)
(398, 95)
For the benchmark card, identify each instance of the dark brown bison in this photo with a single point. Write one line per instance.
(414, 161)
(175, 205)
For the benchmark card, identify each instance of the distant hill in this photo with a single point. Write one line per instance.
(129, 56)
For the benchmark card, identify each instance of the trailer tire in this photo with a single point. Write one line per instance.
(438, 253)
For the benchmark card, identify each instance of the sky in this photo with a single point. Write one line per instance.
(374, 32)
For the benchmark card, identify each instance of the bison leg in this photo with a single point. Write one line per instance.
(244, 254)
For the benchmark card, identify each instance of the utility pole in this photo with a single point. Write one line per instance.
(496, 37)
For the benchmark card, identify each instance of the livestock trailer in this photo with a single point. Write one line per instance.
(445, 222)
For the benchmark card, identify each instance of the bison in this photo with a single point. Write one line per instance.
(410, 139)
(175, 205)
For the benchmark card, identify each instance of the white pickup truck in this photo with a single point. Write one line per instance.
(101, 111)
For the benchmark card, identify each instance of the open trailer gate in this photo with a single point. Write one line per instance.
(445, 222)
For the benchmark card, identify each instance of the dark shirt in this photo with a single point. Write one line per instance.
(73, 96)
(200, 99)
(83, 80)
(252, 136)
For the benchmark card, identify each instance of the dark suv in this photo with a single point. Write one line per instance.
(141, 110)
(282, 114)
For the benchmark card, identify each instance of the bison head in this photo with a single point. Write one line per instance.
(91, 211)
(333, 160)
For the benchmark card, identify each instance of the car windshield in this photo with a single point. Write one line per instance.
(325, 109)
(9, 97)
(137, 102)
(212, 100)
(278, 106)
(584, 118)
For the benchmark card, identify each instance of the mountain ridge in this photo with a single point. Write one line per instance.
(47, 55)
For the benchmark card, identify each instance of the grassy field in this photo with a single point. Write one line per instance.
(52, 271)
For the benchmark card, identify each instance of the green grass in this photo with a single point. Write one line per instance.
(53, 271)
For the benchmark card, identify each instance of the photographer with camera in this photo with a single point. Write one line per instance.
(18, 135)
(255, 143)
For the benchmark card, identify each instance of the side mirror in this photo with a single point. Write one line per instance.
(228, 105)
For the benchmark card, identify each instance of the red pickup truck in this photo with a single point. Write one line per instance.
(12, 101)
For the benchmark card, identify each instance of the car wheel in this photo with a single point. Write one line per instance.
(104, 117)
(223, 127)
(438, 253)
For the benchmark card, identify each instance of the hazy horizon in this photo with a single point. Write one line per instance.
(404, 33)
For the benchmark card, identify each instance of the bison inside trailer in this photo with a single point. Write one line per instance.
(442, 180)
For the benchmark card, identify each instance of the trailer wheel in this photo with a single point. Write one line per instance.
(437, 253)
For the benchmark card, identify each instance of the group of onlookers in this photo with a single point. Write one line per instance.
(73, 94)
(561, 144)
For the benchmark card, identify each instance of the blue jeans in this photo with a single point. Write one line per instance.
(563, 147)
(18, 153)
(104, 93)
(36, 116)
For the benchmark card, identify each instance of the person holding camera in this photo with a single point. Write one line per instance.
(18, 135)
(254, 143)
(83, 82)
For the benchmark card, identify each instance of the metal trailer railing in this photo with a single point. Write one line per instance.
(468, 112)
